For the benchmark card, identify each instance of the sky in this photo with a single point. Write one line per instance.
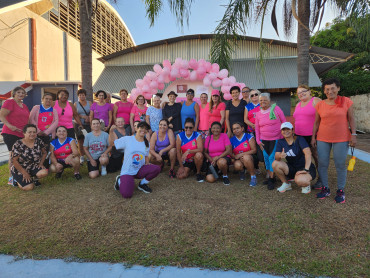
(204, 18)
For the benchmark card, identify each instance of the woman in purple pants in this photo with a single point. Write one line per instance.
(136, 162)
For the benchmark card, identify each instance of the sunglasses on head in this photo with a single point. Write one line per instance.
(63, 111)
(255, 95)
(188, 127)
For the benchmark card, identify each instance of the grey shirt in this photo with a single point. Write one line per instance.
(97, 144)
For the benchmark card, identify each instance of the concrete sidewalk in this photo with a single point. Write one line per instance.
(12, 268)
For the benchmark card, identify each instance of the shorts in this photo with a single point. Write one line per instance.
(189, 164)
(115, 163)
(164, 156)
(71, 133)
(63, 162)
(19, 177)
(293, 170)
(91, 168)
(204, 133)
(228, 161)
(9, 140)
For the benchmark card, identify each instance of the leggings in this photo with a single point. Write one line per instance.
(340, 151)
(269, 150)
(127, 182)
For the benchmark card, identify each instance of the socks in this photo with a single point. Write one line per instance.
(224, 176)
(254, 176)
(144, 181)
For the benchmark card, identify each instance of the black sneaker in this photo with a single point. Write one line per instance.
(116, 184)
(242, 175)
(226, 180)
(340, 198)
(78, 176)
(271, 184)
(59, 175)
(145, 188)
(172, 174)
(317, 185)
(325, 192)
(36, 182)
(200, 178)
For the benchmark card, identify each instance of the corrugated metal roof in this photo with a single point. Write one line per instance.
(280, 73)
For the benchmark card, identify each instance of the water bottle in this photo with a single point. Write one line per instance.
(352, 163)
(213, 171)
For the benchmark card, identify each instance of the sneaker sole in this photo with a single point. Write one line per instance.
(116, 187)
(323, 197)
(201, 181)
(147, 192)
(340, 202)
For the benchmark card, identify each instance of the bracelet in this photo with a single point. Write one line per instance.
(307, 170)
(354, 134)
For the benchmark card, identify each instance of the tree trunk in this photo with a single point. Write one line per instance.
(85, 7)
(303, 42)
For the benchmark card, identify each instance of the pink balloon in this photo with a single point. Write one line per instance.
(185, 64)
(208, 66)
(193, 75)
(224, 90)
(212, 76)
(139, 83)
(201, 76)
(226, 81)
(146, 80)
(223, 73)
(167, 79)
(216, 83)
(184, 73)
(130, 99)
(215, 68)
(134, 91)
(146, 88)
(147, 95)
(193, 64)
(227, 96)
(160, 78)
(178, 61)
(166, 64)
(207, 82)
(172, 78)
(174, 73)
(166, 71)
(160, 86)
(242, 85)
(153, 91)
(232, 79)
(202, 63)
(157, 68)
(153, 84)
(201, 70)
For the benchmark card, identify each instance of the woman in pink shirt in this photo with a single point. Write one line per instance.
(203, 116)
(216, 109)
(268, 122)
(122, 109)
(217, 151)
(138, 111)
(14, 114)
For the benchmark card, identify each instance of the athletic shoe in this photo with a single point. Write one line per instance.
(10, 180)
(271, 184)
(284, 187)
(172, 173)
(340, 198)
(78, 176)
(36, 182)
(103, 170)
(200, 178)
(253, 182)
(325, 192)
(59, 175)
(226, 180)
(266, 182)
(242, 175)
(116, 184)
(317, 185)
(82, 159)
(306, 190)
(145, 188)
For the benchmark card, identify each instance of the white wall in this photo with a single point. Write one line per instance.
(361, 105)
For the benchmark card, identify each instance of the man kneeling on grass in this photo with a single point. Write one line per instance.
(298, 155)
(135, 163)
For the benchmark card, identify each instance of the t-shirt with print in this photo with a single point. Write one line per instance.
(241, 145)
(135, 153)
(294, 152)
(97, 144)
(139, 114)
(216, 148)
(155, 115)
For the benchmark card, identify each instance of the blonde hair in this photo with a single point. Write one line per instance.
(304, 86)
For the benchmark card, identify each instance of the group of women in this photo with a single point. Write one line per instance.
(206, 137)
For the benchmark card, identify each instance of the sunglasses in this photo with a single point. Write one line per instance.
(245, 92)
(302, 92)
(255, 95)
(63, 111)
(188, 127)
(190, 94)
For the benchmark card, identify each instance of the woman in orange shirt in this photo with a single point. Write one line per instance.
(330, 131)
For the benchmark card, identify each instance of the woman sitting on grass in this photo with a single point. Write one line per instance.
(28, 156)
(244, 152)
(64, 154)
(162, 147)
(136, 162)
(96, 146)
(217, 151)
(117, 131)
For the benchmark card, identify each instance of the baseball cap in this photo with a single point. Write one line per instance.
(286, 125)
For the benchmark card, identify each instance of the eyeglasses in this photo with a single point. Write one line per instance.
(302, 92)
(189, 94)
(63, 111)
(188, 127)
(245, 92)
(141, 99)
(255, 95)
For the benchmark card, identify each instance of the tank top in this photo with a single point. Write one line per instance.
(189, 143)
(67, 117)
(160, 145)
(45, 118)
(81, 111)
(62, 150)
(187, 112)
(304, 118)
(119, 135)
(203, 117)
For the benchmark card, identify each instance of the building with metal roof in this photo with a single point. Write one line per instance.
(123, 68)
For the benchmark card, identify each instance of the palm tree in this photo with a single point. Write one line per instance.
(239, 14)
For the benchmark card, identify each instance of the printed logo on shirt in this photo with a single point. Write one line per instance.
(193, 143)
(67, 147)
(245, 145)
(136, 158)
(97, 147)
(290, 153)
(43, 119)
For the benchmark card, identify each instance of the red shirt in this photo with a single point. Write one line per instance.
(18, 116)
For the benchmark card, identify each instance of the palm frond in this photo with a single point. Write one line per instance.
(153, 9)
(288, 19)
(181, 9)
(273, 18)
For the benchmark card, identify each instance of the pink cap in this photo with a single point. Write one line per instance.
(215, 92)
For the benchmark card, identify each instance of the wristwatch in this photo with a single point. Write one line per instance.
(307, 170)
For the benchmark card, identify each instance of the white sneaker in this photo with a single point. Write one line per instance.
(103, 170)
(306, 190)
(284, 187)
(82, 159)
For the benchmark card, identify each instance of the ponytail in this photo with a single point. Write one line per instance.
(146, 142)
(147, 127)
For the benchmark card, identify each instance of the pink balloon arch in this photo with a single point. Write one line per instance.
(188, 70)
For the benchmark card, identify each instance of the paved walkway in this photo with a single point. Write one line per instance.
(11, 268)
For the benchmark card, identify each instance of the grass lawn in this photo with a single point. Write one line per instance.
(185, 223)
